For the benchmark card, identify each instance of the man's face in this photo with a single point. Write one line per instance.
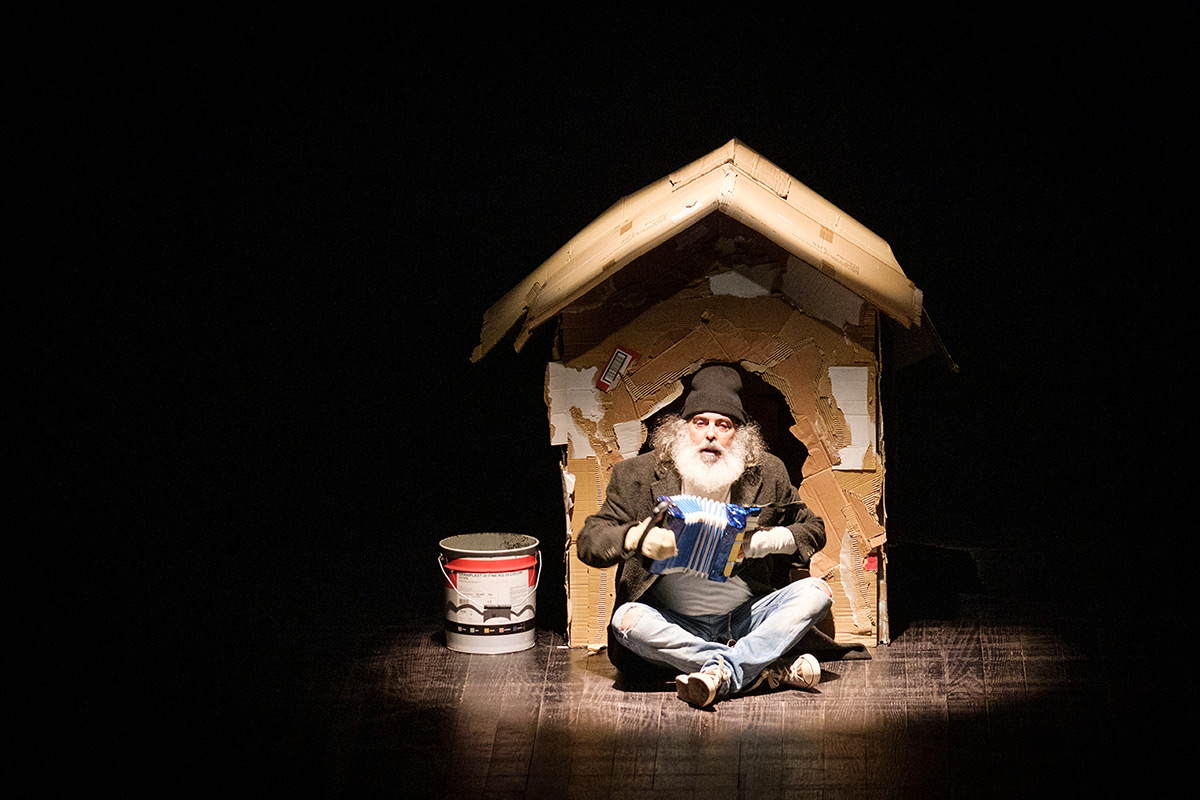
(712, 433)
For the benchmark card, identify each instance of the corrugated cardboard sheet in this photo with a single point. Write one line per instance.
(735, 182)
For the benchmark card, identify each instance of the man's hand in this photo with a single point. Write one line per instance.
(659, 543)
(772, 540)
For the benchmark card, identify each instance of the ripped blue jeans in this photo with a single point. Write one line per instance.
(748, 638)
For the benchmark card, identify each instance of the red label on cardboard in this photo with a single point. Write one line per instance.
(622, 358)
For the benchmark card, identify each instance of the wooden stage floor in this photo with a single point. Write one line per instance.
(992, 688)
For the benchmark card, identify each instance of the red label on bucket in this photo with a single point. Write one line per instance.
(492, 564)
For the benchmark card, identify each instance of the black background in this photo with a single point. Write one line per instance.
(255, 252)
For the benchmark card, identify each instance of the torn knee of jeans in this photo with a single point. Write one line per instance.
(630, 618)
(824, 587)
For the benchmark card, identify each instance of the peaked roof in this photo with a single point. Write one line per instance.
(738, 182)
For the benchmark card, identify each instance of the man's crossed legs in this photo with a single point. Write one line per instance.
(723, 654)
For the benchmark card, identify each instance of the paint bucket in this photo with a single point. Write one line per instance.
(491, 584)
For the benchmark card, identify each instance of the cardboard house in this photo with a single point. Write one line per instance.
(728, 260)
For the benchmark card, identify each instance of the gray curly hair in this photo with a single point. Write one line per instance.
(748, 440)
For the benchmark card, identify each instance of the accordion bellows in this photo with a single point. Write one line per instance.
(708, 536)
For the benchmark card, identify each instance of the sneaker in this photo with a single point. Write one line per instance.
(803, 673)
(700, 689)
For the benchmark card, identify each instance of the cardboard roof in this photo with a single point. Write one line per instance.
(738, 182)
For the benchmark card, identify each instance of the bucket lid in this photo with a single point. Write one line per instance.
(488, 545)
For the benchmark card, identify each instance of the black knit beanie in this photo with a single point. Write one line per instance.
(716, 390)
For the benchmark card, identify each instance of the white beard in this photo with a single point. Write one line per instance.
(712, 476)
